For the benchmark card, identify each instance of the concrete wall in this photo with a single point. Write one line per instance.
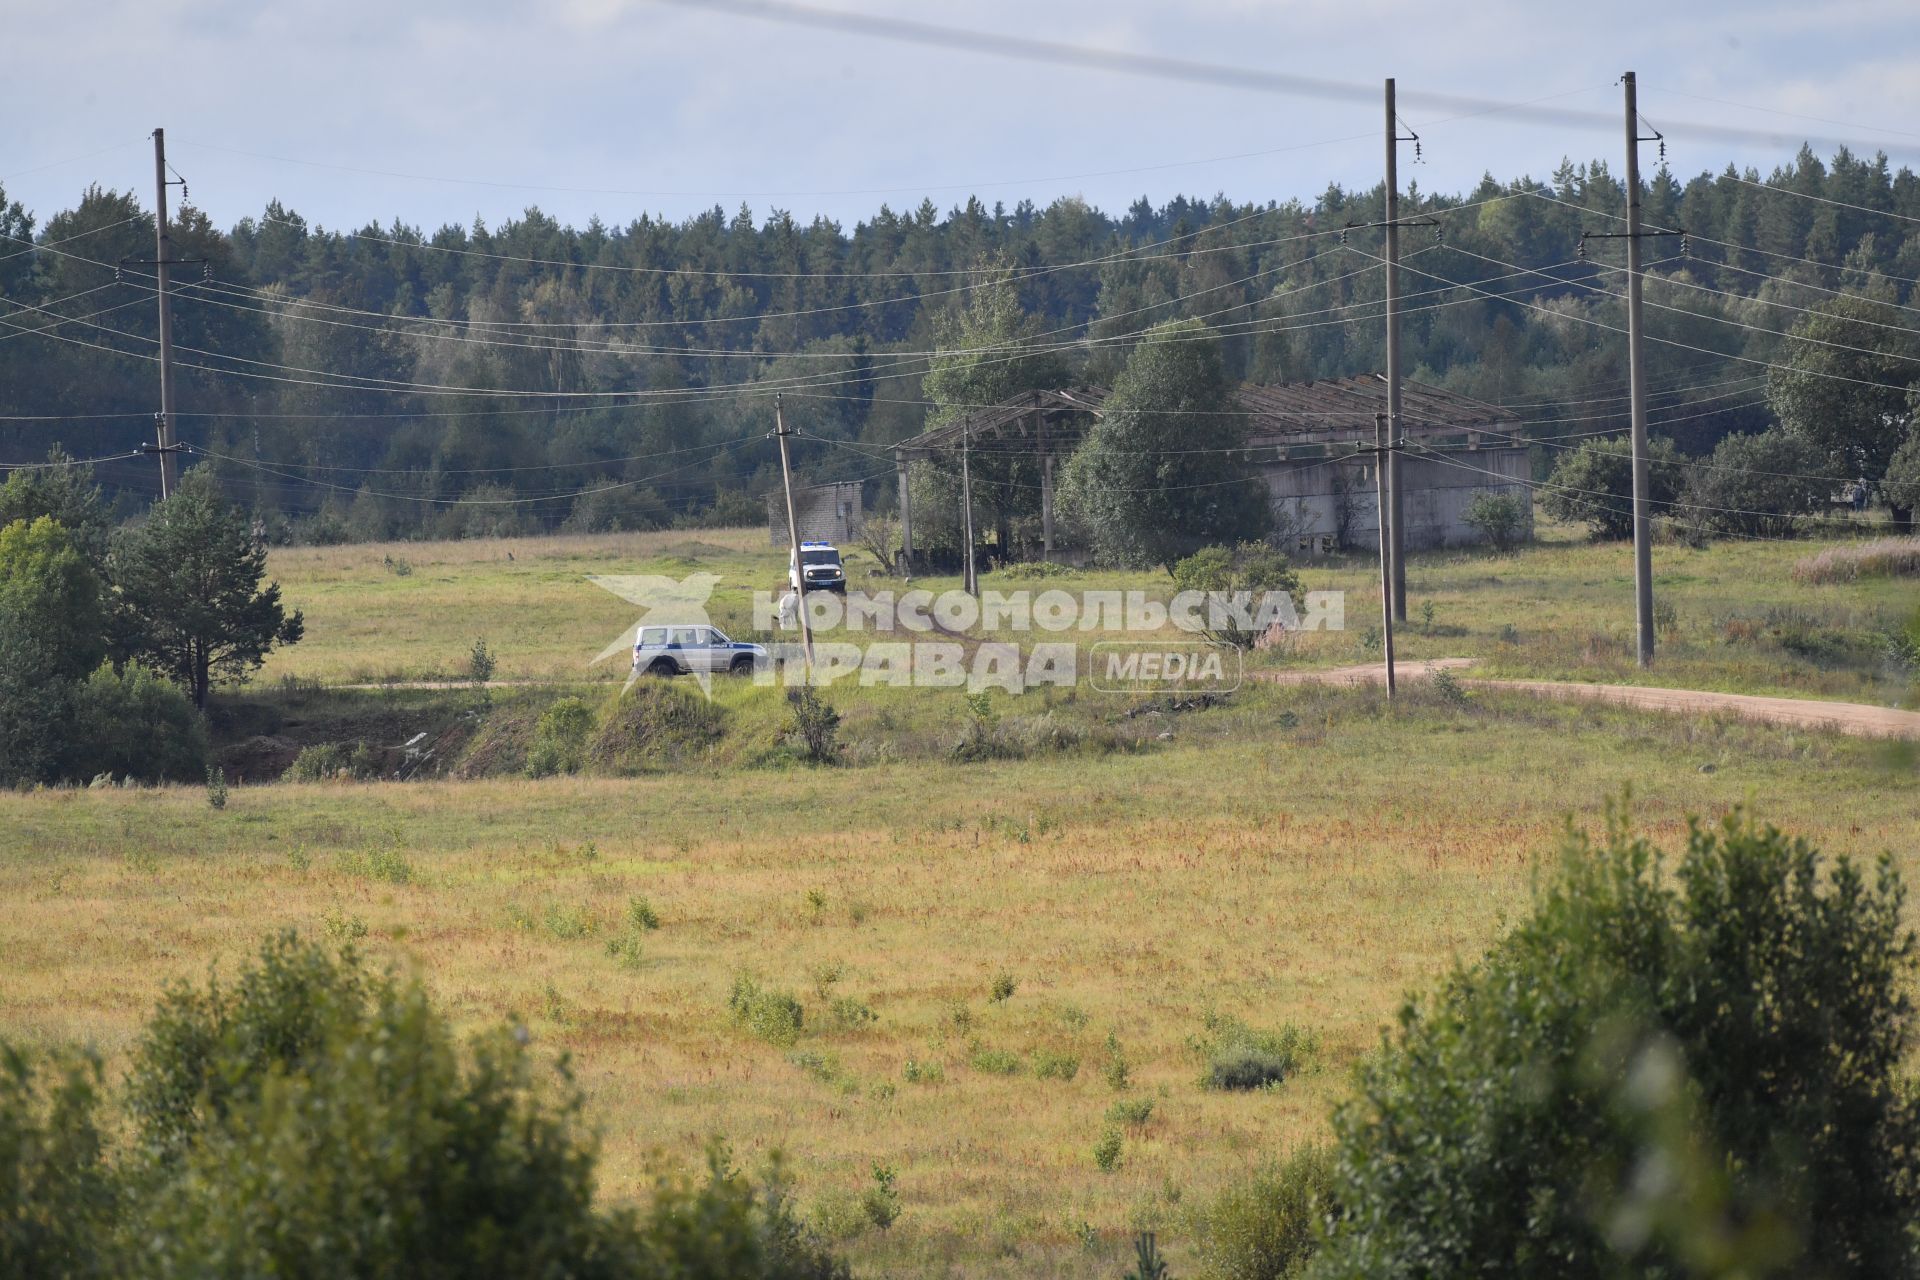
(825, 513)
(1309, 495)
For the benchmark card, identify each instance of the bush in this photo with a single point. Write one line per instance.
(815, 727)
(317, 1119)
(560, 739)
(1268, 1227)
(774, 1016)
(1757, 485)
(1500, 518)
(1243, 574)
(325, 761)
(134, 724)
(1695, 1076)
(1594, 485)
(1106, 1152)
(1237, 1056)
(57, 1194)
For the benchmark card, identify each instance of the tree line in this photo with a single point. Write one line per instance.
(358, 383)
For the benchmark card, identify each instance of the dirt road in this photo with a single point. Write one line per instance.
(1853, 718)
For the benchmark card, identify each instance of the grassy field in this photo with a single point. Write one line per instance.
(1730, 616)
(1294, 856)
(1298, 856)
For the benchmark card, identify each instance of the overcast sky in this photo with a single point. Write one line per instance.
(435, 111)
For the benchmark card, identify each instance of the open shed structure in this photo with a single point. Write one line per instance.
(1304, 440)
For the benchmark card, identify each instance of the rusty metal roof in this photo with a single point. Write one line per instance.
(1334, 409)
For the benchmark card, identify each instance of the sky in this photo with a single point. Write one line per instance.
(432, 112)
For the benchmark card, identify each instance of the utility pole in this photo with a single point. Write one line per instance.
(1637, 391)
(968, 581)
(799, 584)
(1382, 451)
(1390, 462)
(163, 254)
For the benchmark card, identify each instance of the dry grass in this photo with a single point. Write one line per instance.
(1305, 874)
(1883, 557)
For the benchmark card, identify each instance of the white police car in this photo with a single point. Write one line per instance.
(819, 562)
(675, 651)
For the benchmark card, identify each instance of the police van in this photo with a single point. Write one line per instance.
(819, 565)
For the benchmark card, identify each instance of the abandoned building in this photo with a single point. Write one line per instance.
(823, 512)
(1306, 441)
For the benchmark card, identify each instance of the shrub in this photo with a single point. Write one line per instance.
(1902, 481)
(134, 724)
(849, 1014)
(1049, 1065)
(1500, 518)
(324, 761)
(480, 662)
(774, 1016)
(1650, 1073)
(560, 739)
(881, 1201)
(917, 1072)
(216, 787)
(1594, 485)
(1267, 1227)
(1243, 577)
(1131, 1113)
(1001, 988)
(815, 727)
(994, 1062)
(1106, 1152)
(1237, 1056)
(58, 1196)
(317, 1119)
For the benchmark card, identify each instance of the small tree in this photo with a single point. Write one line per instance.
(1594, 485)
(189, 580)
(1758, 485)
(1500, 518)
(1700, 1077)
(64, 491)
(1249, 571)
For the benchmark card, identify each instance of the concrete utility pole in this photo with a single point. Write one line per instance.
(1390, 462)
(799, 584)
(1637, 392)
(1381, 452)
(163, 255)
(968, 582)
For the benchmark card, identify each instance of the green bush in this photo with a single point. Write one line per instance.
(1267, 1227)
(1237, 1056)
(316, 1119)
(58, 1197)
(815, 726)
(774, 1016)
(1695, 1075)
(1130, 1113)
(1500, 518)
(560, 739)
(325, 761)
(134, 724)
(1252, 570)
(1106, 1152)
(1051, 1065)
(1593, 485)
(994, 1062)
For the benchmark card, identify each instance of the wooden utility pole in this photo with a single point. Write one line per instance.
(799, 583)
(1637, 392)
(163, 255)
(1382, 451)
(968, 582)
(1390, 462)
